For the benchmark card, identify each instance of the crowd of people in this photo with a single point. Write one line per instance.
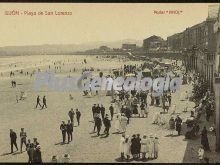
(33, 149)
(143, 148)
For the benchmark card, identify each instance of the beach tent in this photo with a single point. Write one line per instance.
(146, 72)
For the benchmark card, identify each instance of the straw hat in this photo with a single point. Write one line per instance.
(66, 155)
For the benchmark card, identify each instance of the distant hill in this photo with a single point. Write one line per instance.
(61, 48)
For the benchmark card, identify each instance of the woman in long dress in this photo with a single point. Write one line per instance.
(156, 147)
(117, 123)
(146, 110)
(144, 146)
(142, 108)
(123, 123)
(171, 125)
(134, 147)
(127, 147)
(151, 147)
(122, 143)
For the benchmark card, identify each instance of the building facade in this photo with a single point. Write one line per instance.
(153, 43)
(129, 47)
(203, 57)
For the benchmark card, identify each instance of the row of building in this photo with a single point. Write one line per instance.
(201, 50)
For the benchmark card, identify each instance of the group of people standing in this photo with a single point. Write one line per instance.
(33, 149)
(140, 148)
(175, 124)
(101, 117)
(67, 129)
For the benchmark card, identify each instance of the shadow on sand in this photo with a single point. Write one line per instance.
(60, 143)
(117, 133)
(4, 154)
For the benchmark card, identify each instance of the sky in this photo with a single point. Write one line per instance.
(94, 22)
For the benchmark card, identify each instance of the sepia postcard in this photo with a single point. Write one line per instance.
(110, 82)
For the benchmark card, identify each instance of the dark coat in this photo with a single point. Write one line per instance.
(134, 146)
(13, 136)
(98, 122)
(37, 156)
(69, 127)
(178, 122)
(111, 109)
(71, 114)
(93, 109)
(107, 122)
(78, 114)
(63, 127)
(102, 110)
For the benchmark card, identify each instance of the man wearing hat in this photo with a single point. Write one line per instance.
(65, 158)
(35, 142)
(63, 130)
(69, 128)
(71, 114)
(98, 123)
(111, 109)
(178, 122)
(93, 111)
(107, 124)
(13, 138)
(23, 136)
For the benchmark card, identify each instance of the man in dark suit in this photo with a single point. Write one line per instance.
(44, 102)
(63, 130)
(38, 102)
(102, 111)
(93, 110)
(78, 115)
(13, 138)
(71, 115)
(111, 109)
(107, 124)
(178, 122)
(23, 136)
(98, 123)
(98, 110)
(69, 128)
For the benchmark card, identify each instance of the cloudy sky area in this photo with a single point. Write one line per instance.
(95, 22)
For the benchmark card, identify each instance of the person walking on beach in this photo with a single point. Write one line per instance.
(111, 109)
(98, 123)
(13, 138)
(69, 128)
(178, 122)
(44, 102)
(28, 146)
(23, 136)
(78, 115)
(63, 130)
(107, 124)
(102, 111)
(38, 102)
(71, 115)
